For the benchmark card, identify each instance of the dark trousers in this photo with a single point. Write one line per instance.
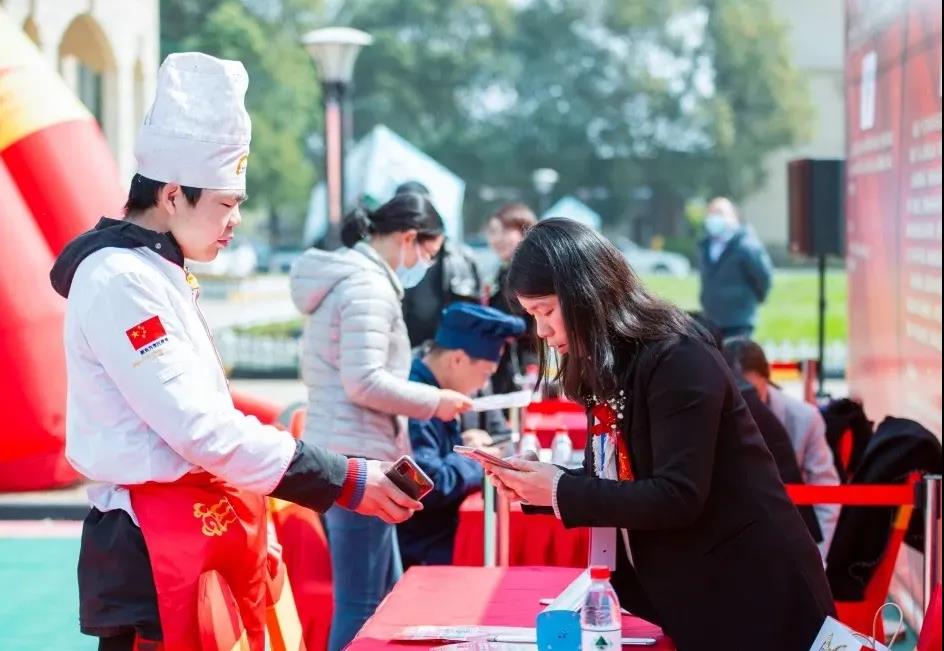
(125, 642)
(118, 643)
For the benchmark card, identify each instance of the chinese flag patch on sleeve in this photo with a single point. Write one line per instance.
(146, 332)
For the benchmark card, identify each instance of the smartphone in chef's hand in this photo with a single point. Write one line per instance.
(410, 478)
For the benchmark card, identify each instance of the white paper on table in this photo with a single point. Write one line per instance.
(486, 646)
(513, 638)
(502, 401)
(463, 633)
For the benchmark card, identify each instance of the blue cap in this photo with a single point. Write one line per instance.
(478, 330)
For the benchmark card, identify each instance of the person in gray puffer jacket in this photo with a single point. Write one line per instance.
(356, 362)
(736, 272)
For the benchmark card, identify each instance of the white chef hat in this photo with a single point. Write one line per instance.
(197, 132)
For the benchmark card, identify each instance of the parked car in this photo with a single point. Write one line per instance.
(649, 261)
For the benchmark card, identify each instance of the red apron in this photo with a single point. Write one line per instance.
(196, 524)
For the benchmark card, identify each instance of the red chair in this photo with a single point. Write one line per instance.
(859, 615)
(282, 622)
(307, 559)
(930, 637)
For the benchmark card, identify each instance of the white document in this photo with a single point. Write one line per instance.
(463, 633)
(510, 635)
(502, 401)
(485, 646)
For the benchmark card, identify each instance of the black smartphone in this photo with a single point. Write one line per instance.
(410, 478)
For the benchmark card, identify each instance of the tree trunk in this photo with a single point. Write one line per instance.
(668, 207)
(274, 229)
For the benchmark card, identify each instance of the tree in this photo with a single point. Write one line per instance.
(639, 106)
(428, 74)
(762, 102)
(663, 101)
(283, 99)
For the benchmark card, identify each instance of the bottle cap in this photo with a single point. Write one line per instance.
(599, 572)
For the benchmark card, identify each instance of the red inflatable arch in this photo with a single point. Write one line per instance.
(57, 177)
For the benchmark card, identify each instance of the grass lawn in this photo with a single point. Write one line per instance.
(790, 313)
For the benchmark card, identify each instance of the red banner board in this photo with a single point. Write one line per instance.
(893, 207)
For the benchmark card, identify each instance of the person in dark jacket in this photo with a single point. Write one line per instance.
(802, 422)
(736, 272)
(505, 230)
(453, 276)
(771, 429)
(693, 516)
(465, 353)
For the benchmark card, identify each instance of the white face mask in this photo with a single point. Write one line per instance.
(413, 276)
(716, 225)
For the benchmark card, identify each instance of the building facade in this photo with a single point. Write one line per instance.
(816, 32)
(107, 51)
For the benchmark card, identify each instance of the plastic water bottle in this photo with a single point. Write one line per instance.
(562, 448)
(529, 443)
(601, 624)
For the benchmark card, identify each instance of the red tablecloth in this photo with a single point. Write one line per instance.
(535, 539)
(455, 596)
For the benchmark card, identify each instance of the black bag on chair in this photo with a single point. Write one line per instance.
(844, 416)
(899, 447)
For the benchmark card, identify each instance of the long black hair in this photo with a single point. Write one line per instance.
(405, 212)
(607, 311)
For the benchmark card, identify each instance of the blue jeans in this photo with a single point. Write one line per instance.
(365, 565)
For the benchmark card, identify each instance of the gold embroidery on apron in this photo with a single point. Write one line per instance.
(217, 518)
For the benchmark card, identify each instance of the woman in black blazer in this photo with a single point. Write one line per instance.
(717, 555)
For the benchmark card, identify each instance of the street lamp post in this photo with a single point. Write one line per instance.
(334, 50)
(544, 180)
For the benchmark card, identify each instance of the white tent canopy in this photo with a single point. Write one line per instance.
(375, 166)
(573, 208)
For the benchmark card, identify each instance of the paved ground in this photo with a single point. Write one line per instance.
(39, 598)
(38, 595)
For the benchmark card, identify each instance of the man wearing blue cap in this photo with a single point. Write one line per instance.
(464, 355)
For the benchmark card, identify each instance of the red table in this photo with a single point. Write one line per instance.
(535, 539)
(455, 596)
